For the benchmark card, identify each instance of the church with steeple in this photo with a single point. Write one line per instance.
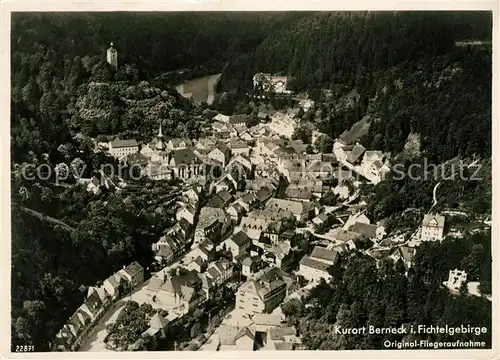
(156, 150)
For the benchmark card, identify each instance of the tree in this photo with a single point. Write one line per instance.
(324, 144)
(195, 330)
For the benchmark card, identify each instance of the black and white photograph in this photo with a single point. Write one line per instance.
(250, 181)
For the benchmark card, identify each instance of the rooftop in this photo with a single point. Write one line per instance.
(315, 264)
(433, 221)
(124, 143)
(323, 254)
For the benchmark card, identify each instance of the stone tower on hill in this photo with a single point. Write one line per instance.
(112, 56)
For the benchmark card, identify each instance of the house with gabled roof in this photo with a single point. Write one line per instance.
(221, 153)
(321, 219)
(205, 250)
(302, 211)
(133, 274)
(231, 338)
(226, 183)
(264, 292)
(184, 292)
(187, 212)
(178, 143)
(236, 212)
(192, 195)
(312, 269)
(166, 249)
(354, 156)
(367, 230)
(112, 284)
(250, 265)
(220, 271)
(359, 217)
(432, 227)
(405, 254)
(264, 194)
(248, 201)
(119, 148)
(238, 243)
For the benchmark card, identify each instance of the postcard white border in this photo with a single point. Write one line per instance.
(7, 7)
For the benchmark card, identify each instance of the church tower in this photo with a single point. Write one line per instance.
(112, 56)
(160, 144)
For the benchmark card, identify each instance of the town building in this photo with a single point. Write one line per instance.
(262, 294)
(121, 148)
(133, 274)
(231, 338)
(238, 243)
(455, 280)
(432, 227)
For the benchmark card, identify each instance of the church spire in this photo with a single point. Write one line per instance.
(160, 134)
(160, 145)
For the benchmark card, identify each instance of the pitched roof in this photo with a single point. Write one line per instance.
(279, 333)
(324, 254)
(225, 195)
(299, 193)
(373, 155)
(216, 202)
(238, 144)
(227, 334)
(112, 280)
(124, 143)
(237, 119)
(240, 238)
(368, 230)
(133, 269)
(296, 207)
(177, 141)
(184, 157)
(249, 260)
(355, 153)
(222, 147)
(244, 332)
(248, 198)
(238, 208)
(283, 346)
(428, 219)
(407, 253)
(264, 193)
(158, 321)
(267, 319)
(315, 264)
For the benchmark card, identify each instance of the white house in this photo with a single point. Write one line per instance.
(455, 279)
(220, 154)
(121, 148)
(432, 227)
(186, 212)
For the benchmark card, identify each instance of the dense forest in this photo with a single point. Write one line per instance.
(407, 76)
(363, 294)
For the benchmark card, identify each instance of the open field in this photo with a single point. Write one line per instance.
(201, 89)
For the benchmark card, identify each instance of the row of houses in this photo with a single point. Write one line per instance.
(97, 300)
(177, 239)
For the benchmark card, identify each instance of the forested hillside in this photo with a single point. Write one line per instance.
(403, 71)
(364, 294)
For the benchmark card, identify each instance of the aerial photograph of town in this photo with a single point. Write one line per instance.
(253, 181)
